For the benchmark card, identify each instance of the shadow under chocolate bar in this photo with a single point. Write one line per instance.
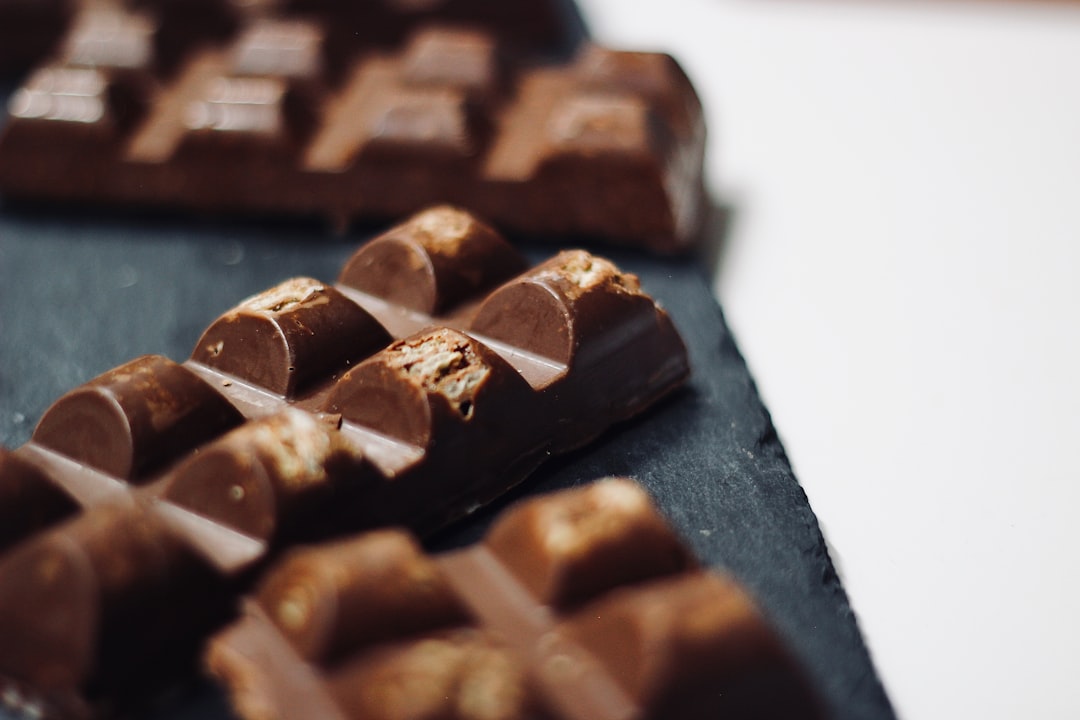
(582, 605)
(284, 117)
(435, 375)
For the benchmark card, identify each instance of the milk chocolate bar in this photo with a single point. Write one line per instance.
(436, 374)
(582, 605)
(31, 29)
(297, 114)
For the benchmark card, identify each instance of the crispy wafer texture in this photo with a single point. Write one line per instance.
(433, 376)
(294, 108)
(582, 605)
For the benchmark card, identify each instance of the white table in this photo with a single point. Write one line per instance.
(901, 273)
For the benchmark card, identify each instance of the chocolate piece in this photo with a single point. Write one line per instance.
(471, 635)
(690, 647)
(564, 311)
(131, 420)
(461, 674)
(111, 600)
(29, 500)
(30, 29)
(292, 109)
(306, 412)
(441, 391)
(448, 257)
(297, 333)
(373, 591)
(574, 546)
(530, 26)
(270, 474)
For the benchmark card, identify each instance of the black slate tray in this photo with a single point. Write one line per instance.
(80, 294)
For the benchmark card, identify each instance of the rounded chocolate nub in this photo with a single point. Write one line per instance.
(455, 58)
(529, 315)
(109, 38)
(29, 500)
(290, 337)
(109, 599)
(331, 600)
(615, 350)
(569, 548)
(49, 605)
(136, 418)
(270, 473)
(573, 300)
(279, 47)
(436, 379)
(433, 261)
(462, 674)
(693, 647)
(656, 77)
(615, 150)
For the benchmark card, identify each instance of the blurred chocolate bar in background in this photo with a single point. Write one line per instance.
(357, 111)
(582, 605)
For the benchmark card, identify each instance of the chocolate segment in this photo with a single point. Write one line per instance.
(154, 494)
(570, 549)
(443, 395)
(132, 420)
(86, 607)
(106, 37)
(29, 500)
(459, 675)
(447, 255)
(427, 388)
(692, 647)
(674, 642)
(270, 475)
(290, 336)
(367, 592)
(564, 310)
(359, 110)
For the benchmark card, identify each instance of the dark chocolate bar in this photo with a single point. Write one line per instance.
(434, 376)
(583, 605)
(278, 112)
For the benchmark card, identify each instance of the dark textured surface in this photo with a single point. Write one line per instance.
(80, 295)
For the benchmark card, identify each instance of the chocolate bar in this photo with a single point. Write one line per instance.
(582, 605)
(32, 28)
(436, 374)
(287, 113)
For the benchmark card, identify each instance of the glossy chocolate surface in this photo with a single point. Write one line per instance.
(308, 411)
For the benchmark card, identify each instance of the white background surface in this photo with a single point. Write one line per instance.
(901, 273)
